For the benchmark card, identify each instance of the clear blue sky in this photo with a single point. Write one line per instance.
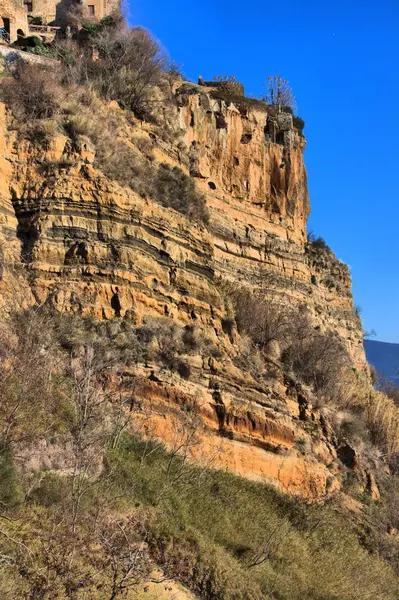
(342, 60)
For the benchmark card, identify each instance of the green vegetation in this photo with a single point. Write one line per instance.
(224, 537)
(121, 504)
(229, 538)
(318, 243)
(241, 101)
(299, 124)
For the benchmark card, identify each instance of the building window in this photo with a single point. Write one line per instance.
(28, 5)
(91, 9)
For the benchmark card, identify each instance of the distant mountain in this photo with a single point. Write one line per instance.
(384, 357)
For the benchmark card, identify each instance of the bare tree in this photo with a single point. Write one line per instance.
(269, 548)
(279, 93)
(126, 560)
(31, 381)
(91, 401)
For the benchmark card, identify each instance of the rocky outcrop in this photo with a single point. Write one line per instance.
(83, 240)
(249, 163)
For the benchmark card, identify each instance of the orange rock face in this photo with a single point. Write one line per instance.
(81, 235)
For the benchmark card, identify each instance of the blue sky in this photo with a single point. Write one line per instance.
(341, 58)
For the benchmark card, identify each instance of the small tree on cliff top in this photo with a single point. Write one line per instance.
(279, 93)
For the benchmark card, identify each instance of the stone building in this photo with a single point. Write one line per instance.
(13, 17)
(54, 12)
(26, 17)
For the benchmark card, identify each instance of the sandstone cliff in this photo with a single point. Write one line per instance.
(78, 235)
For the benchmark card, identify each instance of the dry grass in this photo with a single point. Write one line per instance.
(382, 418)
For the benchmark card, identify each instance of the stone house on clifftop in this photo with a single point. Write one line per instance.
(13, 18)
(27, 17)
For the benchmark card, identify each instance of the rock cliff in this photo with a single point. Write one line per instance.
(78, 236)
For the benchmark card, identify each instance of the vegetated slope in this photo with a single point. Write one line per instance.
(92, 506)
(384, 357)
(162, 307)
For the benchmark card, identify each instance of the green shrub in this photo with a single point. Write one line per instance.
(10, 489)
(318, 243)
(299, 124)
(52, 490)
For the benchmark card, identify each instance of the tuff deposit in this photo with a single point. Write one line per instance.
(78, 236)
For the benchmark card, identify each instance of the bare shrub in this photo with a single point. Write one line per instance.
(349, 426)
(166, 341)
(121, 163)
(32, 93)
(174, 189)
(248, 357)
(163, 339)
(318, 358)
(386, 386)
(262, 319)
(129, 69)
(125, 560)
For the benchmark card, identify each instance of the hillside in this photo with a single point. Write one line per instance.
(185, 399)
(384, 357)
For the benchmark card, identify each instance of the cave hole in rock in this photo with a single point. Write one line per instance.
(212, 185)
(246, 138)
(184, 370)
(228, 325)
(280, 138)
(77, 253)
(6, 24)
(220, 121)
(116, 302)
(236, 161)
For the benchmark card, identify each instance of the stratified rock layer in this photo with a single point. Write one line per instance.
(80, 236)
